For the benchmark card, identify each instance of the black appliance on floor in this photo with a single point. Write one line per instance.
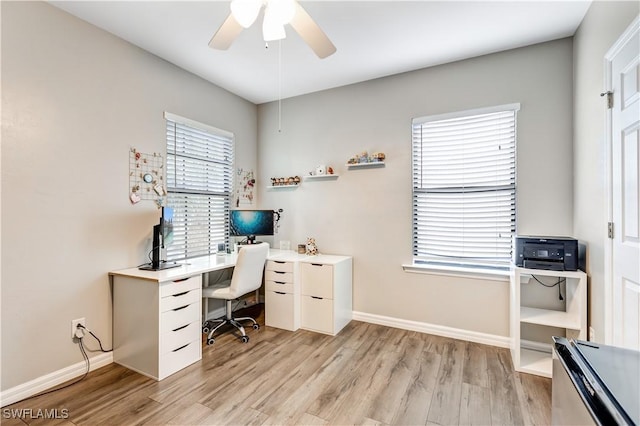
(594, 384)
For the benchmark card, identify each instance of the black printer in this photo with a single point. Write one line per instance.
(551, 253)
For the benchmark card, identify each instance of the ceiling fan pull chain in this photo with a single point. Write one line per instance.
(279, 86)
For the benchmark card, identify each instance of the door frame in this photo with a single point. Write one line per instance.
(630, 32)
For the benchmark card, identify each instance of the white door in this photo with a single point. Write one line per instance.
(624, 61)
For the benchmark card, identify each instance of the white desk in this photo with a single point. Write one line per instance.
(157, 314)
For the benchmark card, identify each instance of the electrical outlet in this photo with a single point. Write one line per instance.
(74, 325)
(592, 334)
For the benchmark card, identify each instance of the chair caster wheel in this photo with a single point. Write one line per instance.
(211, 341)
(244, 339)
(256, 326)
(205, 330)
(206, 327)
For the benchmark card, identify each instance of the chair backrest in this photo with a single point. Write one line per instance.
(247, 274)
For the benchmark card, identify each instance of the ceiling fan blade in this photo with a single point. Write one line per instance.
(226, 34)
(311, 33)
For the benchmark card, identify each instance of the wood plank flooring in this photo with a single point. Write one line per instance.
(368, 374)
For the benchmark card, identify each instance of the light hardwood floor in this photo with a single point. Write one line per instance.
(368, 374)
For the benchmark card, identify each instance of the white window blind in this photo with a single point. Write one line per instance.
(464, 187)
(199, 186)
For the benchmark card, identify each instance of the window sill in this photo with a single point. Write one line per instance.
(453, 271)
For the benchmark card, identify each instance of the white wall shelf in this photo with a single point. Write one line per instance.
(288, 186)
(321, 177)
(573, 318)
(371, 165)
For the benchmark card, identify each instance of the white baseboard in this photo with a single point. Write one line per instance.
(438, 330)
(50, 380)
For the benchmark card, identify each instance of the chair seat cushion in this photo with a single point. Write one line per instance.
(221, 290)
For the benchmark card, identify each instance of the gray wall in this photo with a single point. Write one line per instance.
(74, 100)
(367, 213)
(601, 27)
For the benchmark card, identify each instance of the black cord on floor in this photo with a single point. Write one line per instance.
(83, 351)
(87, 363)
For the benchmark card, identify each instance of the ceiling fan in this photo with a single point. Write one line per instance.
(277, 13)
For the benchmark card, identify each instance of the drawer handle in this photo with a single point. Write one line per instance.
(317, 264)
(180, 308)
(279, 261)
(316, 297)
(279, 292)
(279, 282)
(180, 294)
(181, 347)
(279, 272)
(180, 328)
(180, 280)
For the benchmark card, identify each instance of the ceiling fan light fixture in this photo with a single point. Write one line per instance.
(277, 14)
(272, 26)
(282, 10)
(245, 11)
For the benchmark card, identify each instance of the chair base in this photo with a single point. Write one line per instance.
(211, 326)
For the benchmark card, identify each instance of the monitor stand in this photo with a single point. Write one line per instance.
(160, 266)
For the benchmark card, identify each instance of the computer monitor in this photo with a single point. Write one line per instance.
(166, 222)
(162, 237)
(249, 223)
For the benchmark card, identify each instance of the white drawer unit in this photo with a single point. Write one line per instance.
(156, 325)
(326, 293)
(282, 299)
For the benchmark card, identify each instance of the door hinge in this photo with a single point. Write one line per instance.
(610, 230)
(609, 95)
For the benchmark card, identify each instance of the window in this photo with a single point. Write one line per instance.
(464, 187)
(199, 180)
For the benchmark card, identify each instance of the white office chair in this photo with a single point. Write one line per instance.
(247, 277)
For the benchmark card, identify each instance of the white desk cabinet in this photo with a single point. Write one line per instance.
(281, 294)
(535, 357)
(156, 325)
(326, 293)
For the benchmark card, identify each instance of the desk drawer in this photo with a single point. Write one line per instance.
(279, 265)
(285, 277)
(180, 299)
(172, 340)
(317, 280)
(280, 286)
(317, 314)
(170, 288)
(178, 317)
(179, 358)
(279, 310)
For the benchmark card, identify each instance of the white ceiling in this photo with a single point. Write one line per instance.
(373, 38)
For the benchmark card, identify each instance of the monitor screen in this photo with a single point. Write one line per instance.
(244, 223)
(167, 226)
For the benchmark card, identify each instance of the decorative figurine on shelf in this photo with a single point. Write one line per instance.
(312, 248)
(378, 156)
